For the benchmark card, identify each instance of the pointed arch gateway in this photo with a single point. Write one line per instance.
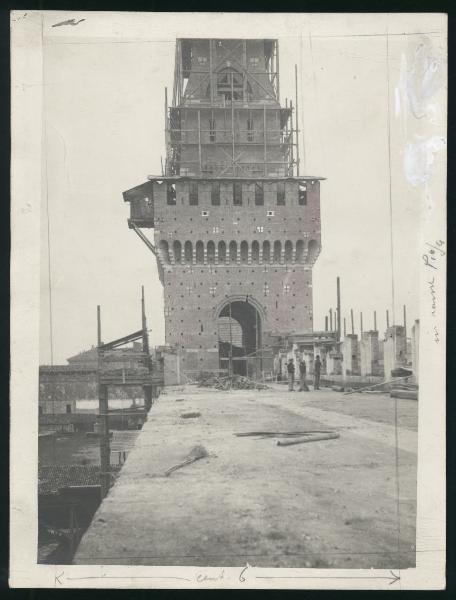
(239, 323)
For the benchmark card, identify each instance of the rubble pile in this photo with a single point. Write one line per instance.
(235, 382)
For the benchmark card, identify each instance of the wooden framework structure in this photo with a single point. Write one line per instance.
(119, 366)
(222, 93)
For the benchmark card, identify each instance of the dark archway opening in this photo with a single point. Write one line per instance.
(239, 333)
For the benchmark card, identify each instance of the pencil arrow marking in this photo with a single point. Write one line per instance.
(392, 579)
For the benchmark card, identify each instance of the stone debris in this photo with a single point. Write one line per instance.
(190, 415)
(235, 382)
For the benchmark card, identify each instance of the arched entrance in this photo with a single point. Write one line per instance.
(239, 336)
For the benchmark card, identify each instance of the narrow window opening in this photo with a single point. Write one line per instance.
(302, 197)
(193, 193)
(68, 408)
(281, 193)
(237, 193)
(171, 194)
(259, 195)
(215, 193)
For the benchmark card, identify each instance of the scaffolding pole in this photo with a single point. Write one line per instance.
(105, 475)
(199, 142)
(265, 155)
(297, 121)
(338, 308)
(210, 72)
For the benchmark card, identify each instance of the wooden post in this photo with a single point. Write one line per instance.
(387, 319)
(330, 319)
(361, 322)
(297, 121)
(338, 308)
(352, 323)
(166, 132)
(199, 142)
(345, 328)
(277, 72)
(265, 152)
(375, 320)
(405, 322)
(104, 420)
(244, 64)
(232, 119)
(104, 439)
(211, 85)
(291, 136)
(326, 323)
(145, 337)
(98, 325)
(71, 524)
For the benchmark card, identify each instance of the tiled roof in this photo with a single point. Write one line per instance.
(52, 478)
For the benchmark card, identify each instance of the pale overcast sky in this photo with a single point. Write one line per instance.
(104, 115)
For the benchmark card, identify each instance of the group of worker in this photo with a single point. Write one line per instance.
(302, 374)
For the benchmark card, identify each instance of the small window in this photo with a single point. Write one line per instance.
(302, 198)
(259, 196)
(202, 60)
(193, 193)
(281, 193)
(68, 408)
(270, 213)
(171, 194)
(212, 130)
(204, 213)
(237, 193)
(215, 193)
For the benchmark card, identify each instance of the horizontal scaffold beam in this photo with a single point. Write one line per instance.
(124, 340)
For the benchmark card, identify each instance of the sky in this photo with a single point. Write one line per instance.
(104, 133)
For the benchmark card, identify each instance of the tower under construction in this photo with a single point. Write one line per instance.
(236, 227)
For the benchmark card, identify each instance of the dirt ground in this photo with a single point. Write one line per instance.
(343, 503)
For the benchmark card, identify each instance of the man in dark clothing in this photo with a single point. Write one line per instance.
(291, 372)
(317, 369)
(302, 376)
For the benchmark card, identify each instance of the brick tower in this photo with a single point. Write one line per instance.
(236, 229)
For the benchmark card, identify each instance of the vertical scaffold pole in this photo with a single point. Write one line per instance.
(105, 475)
(338, 308)
(297, 121)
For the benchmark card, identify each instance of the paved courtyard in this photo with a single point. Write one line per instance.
(343, 503)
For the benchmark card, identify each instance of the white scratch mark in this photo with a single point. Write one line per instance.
(419, 157)
(421, 76)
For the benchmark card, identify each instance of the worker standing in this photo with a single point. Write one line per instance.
(302, 376)
(317, 369)
(291, 372)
